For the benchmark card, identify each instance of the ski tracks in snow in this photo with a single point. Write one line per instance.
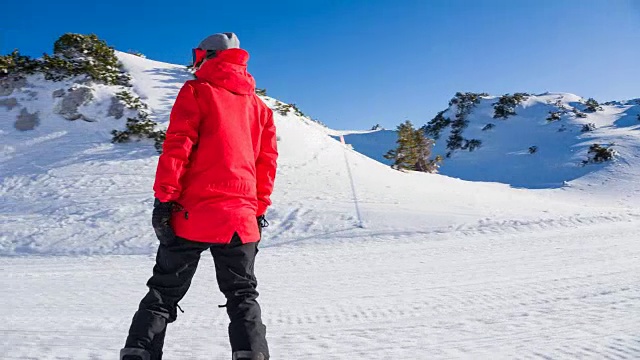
(549, 296)
(286, 232)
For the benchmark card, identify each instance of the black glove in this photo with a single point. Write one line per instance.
(262, 223)
(161, 219)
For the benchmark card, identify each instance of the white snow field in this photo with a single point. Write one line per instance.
(442, 269)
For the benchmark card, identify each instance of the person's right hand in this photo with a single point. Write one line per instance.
(161, 222)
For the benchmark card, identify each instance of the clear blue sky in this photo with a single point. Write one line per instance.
(353, 63)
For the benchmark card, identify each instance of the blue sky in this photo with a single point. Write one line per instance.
(354, 63)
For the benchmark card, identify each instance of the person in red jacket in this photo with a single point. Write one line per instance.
(213, 185)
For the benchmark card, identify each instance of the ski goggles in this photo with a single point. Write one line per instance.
(200, 55)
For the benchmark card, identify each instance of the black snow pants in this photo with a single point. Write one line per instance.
(175, 266)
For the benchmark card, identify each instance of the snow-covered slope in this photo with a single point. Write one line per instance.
(67, 189)
(561, 145)
(443, 268)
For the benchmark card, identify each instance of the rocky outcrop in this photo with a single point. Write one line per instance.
(26, 120)
(75, 97)
(11, 83)
(58, 93)
(9, 103)
(116, 109)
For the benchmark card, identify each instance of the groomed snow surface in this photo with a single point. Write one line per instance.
(443, 268)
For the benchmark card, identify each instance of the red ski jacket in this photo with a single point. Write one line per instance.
(218, 161)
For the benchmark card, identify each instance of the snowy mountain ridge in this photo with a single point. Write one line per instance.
(544, 142)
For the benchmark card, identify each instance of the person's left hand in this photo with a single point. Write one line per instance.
(262, 223)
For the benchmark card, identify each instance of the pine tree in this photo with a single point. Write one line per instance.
(18, 65)
(592, 105)
(403, 156)
(423, 151)
(413, 151)
(78, 54)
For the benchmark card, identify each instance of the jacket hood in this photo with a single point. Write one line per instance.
(229, 70)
